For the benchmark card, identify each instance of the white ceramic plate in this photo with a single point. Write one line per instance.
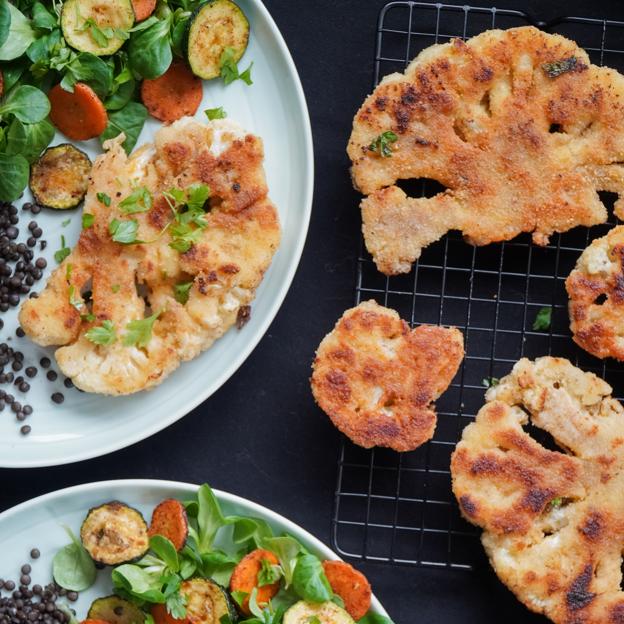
(38, 523)
(86, 425)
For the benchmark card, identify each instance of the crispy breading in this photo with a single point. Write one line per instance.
(517, 149)
(129, 282)
(377, 379)
(552, 520)
(596, 291)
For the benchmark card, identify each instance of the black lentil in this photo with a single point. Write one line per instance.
(45, 362)
(68, 383)
(26, 429)
(35, 554)
(52, 375)
(31, 372)
(58, 397)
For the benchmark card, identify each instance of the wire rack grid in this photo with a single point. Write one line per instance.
(399, 508)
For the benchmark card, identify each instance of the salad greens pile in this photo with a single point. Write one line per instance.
(156, 578)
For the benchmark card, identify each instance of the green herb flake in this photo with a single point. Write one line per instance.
(556, 502)
(87, 220)
(490, 382)
(63, 252)
(89, 318)
(66, 223)
(72, 567)
(124, 232)
(556, 68)
(215, 113)
(102, 335)
(115, 288)
(313, 619)
(269, 574)
(382, 144)
(139, 332)
(73, 300)
(543, 319)
(105, 199)
(140, 200)
(239, 597)
(229, 68)
(181, 292)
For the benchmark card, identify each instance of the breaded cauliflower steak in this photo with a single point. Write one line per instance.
(596, 291)
(553, 521)
(518, 148)
(377, 379)
(225, 265)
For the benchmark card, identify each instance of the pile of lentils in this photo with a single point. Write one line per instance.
(19, 271)
(22, 604)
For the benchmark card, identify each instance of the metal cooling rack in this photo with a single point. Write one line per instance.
(399, 508)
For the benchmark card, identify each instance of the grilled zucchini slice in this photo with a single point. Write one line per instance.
(114, 533)
(215, 26)
(206, 602)
(95, 25)
(59, 179)
(115, 610)
(304, 612)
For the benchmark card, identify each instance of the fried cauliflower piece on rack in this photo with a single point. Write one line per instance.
(518, 125)
(213, 262)
(377, 379)
(552, 520)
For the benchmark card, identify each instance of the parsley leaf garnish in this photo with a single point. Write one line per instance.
(124, 232)
(66, 223)
(63, 252)
(73, 300)
(215, 113)
(197, 194)
(102, 335)
(229, 68)
(556, 68)
(490, 382)
(181, 292)
(115, 288)
(87, 220)
(139, 333)
(269, 573)
(140, 200)
(103, 198)
(543, 319)
(556, 502)
(381, 145)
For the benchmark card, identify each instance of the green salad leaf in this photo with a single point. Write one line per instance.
(72, 567)
(14, 170)
(5, 21)
(26, 103)
(90, 69)
(149, 51)
(309, 580)
(29, 139)
(42, 18)
(129, 120)
(20, 35)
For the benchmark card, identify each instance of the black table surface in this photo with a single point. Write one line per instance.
(261, 436)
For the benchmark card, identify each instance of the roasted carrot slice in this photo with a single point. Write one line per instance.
(169, 520)
(174, 94)
(79, 115)
(245, 577)
(162, 616)
(143, 9)
(351, 585)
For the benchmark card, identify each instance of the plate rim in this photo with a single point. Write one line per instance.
(222, 495)
(301, 237)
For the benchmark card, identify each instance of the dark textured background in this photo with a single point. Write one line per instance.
(261, 436)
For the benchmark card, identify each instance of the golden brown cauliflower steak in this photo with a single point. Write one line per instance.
(553, 520)
(129, 282)
(518, 126)
(377, 379)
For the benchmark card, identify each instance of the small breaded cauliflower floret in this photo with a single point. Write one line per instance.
(185, 281)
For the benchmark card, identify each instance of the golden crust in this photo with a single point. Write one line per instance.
(553, 521)
(518, 151)
(596, 291)
(376, 379)
(225, 265)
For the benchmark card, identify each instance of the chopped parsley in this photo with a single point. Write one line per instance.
(189, 215)
(215, 113)
(139, 333)
(229, 68)
(543, 319)
(63, 252)
(269, 573)
(115, 288)
(103, 198)
(87, 220)
(73, 300)
(102, 36)
(140, 200)
(313, 619)
(556, 502)
(490, 382)
(556, 68)
(382, 144)
(66, 223)
(181, 292)
(124, 232)
(102, 335)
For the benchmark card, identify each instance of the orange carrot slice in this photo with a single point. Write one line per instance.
(351, 585)
(143, 9)
(169, 520)
(79, 115)
(245, 577)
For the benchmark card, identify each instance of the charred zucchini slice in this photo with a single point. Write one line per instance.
(96, 26)
(115, 610)
(206, 602)
(304, 612)
(215, 26)
(59, 179)
(114, 533)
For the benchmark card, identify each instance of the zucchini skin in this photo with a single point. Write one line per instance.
(114, 533)
(59, 178)
(326, 613)
(115, 610)
(207, 602)
(121, 11)
(209, 68)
